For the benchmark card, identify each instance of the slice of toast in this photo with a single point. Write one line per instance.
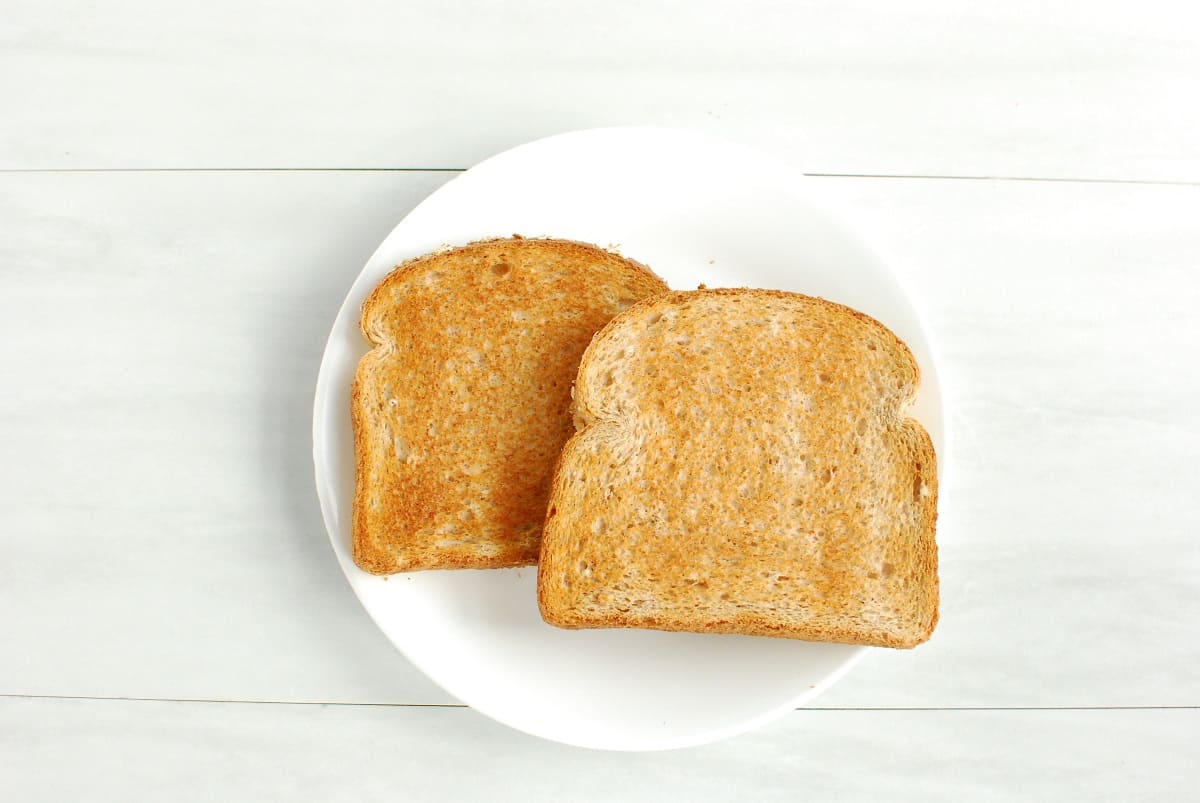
(462, 407)
(744, 465)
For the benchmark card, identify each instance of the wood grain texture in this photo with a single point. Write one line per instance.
(160, 532)
(1096, 90)
(106, 751)
(156, 425)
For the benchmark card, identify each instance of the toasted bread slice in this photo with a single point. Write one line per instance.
(744, 465)
(462, 407)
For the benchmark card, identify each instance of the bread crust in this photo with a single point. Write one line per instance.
(743, 463)
(461, 407)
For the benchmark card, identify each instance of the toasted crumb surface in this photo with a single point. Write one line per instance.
(462, 406)
(744, 464)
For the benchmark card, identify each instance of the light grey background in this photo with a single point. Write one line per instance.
(187, 193)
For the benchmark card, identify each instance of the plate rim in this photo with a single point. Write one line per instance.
(798, 186)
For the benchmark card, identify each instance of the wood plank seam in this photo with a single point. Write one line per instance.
(923, 177)
(461, 705)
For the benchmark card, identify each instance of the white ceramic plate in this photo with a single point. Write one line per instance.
(696, 210)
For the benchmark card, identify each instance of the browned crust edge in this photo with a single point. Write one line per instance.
(376, 561)
(749, 624)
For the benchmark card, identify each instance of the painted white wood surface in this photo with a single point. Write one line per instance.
(157, 518)
(159, 537)
(1098, 90)
(105, 751)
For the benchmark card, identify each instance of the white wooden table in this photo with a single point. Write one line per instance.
(188, 191)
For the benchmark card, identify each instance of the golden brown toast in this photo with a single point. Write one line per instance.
(744, 464)
(462, 406)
